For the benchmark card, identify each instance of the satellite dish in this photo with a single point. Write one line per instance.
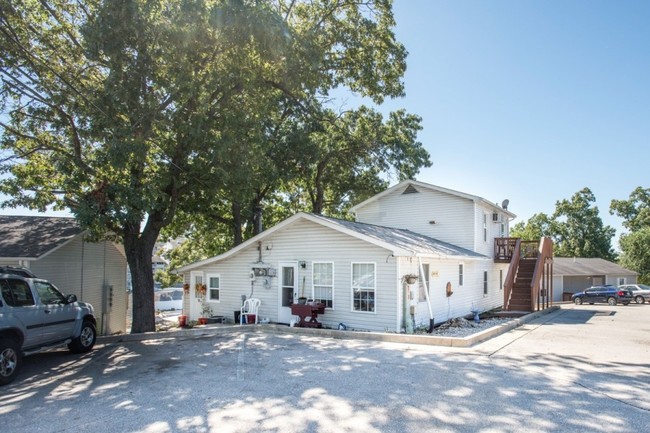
(505, 203)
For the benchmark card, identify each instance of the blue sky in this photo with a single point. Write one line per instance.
(530, 100)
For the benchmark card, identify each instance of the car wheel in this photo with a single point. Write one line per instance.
(611, 301)
(639, 299)
(86, 340)
(10, 360)
(578, 301)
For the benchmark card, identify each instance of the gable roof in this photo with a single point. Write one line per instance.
(31, 237)
(587, 266)
(401, 243)
(411, 186)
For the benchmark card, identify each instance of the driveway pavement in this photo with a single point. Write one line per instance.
(579, 369)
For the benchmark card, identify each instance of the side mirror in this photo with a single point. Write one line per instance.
(71, 298)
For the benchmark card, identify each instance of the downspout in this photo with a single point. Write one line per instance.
(426, 294)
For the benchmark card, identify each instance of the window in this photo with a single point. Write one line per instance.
(48, 294)
(460, 274)
(16, 293)
(214, 286)
(484, 227)
(424, 279)
(485, 283)
(323, 282)
(363, 287)
(621, 281)
(500, 279)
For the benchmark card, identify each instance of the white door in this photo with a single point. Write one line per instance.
(288, 288)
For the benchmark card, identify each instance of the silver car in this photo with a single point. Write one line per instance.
(641, 292)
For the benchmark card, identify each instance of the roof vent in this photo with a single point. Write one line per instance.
(410, 190)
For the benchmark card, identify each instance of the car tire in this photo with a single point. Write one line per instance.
(639, 299)
(577, 301)
(86, 339)
(612, 301)
(10, 360)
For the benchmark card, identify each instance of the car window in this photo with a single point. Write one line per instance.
(16, 293)
(48, 294)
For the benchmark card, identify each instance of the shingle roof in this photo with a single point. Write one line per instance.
(404, 239)
(587, 266)
(32, 236)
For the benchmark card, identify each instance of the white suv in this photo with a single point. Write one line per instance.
(35, 316)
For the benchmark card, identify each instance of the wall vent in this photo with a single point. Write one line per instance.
(410, 190)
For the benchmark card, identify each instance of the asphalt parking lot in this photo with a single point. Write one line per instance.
(581, 368)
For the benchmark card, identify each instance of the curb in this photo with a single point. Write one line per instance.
(209, 330)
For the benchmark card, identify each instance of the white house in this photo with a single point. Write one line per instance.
(356, 268)
(54, 249)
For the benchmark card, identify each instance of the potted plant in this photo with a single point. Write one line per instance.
(409, 278)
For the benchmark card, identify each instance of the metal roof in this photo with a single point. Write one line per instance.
(30, 237)
(587, 266)
(405, 239)
(400, 242)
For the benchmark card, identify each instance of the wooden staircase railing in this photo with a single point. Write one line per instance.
(528, 284)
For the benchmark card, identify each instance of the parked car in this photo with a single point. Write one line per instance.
(17, 270)
(610, 294)
(641, 292)
(35, 316)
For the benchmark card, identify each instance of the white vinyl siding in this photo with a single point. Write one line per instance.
(95, 273)
(312, 243)
(453, 216)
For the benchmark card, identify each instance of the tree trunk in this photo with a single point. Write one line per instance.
(139, 251)
(238, 237)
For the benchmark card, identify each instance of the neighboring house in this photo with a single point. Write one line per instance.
(573, 274)
(54, 249)
(356, 268)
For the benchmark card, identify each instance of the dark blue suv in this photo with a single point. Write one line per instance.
(610, 294)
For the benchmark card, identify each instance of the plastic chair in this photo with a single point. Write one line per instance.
(250, 307)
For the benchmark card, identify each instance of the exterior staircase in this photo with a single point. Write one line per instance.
(520, 299)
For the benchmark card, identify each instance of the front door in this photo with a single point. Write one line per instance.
(288, 290)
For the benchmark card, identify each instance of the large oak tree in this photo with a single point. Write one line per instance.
(129, 112)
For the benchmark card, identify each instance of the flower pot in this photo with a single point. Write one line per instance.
(250, 318)
(203, 320)
(302, 300)
(182, 321)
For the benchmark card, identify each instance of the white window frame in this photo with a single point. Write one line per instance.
(485, 226)
(367, 289)
(461, 274)
(621, 281)
(208, 291)
(314, 284)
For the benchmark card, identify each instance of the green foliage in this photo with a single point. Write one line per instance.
(133, 112)
(538, 226)
(579, 230)
(634, 245)
(166, 278)
(636, 254)
(575, 228)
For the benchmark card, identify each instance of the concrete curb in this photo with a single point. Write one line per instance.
(209, 330)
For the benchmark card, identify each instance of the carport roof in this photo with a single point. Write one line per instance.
(31, 237)
(587, 266)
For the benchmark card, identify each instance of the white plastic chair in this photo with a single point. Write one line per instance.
(251, 306)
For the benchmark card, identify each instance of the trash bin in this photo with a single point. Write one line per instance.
(237, 313)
